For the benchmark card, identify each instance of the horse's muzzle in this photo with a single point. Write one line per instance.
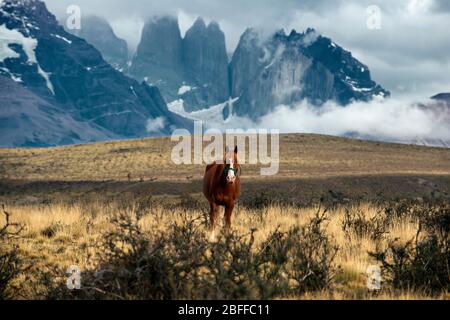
(231, 179)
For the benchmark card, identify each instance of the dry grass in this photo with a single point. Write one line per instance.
(77, 227)
(310, 166)
(66, 196)
(302, 156)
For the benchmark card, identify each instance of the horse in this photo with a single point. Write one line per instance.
(222, 187)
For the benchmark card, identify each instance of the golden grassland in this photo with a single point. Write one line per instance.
(74, 228)
(301, 156)
(310, 166)
(65, 197)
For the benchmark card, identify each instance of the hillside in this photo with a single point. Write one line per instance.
(311, 166)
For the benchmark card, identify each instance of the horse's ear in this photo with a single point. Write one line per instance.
(236, 149)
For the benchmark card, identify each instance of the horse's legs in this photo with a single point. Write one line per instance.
(228, 211)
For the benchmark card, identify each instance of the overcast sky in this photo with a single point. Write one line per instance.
(409, 55)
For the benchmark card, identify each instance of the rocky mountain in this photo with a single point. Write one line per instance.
(77, 76)
(193, 72)
(98, 32)
(71, 75)
(159, 58)
(206, 63)
(285, 69)
(193, 68)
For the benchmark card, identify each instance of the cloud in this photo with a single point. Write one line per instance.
(395, 120)
(156, 124)
(387, 119)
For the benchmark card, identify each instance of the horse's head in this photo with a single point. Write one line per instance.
(232, 166)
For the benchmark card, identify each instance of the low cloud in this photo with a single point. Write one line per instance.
(387, 119)
(393, 120)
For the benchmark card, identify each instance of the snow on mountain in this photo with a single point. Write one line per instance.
(72, 76)
(10, 38)
(183, 89)
(213, 116)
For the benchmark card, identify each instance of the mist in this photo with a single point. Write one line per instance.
(392, 120)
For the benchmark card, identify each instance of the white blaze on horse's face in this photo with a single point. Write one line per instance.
(231, 176)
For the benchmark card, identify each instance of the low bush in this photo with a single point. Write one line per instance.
(421, 263)
(181, 263)
(11, 264)
(356, 223)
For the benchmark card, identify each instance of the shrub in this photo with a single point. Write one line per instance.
(181, 263)
(356, 223)
(304, 254)
(421, 263)
(51, 230)
(260, 201)
(11, 264)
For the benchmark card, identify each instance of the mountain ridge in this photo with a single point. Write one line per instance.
(98, 32)
(286, 69)
(193, 67)
(262, 73)
(71, 74)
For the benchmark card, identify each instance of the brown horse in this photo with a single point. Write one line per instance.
(222, 186)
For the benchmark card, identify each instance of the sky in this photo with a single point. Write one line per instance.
(409, 54)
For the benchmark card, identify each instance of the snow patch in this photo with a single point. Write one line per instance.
(177, 106)
(213, 114)
(46, 77)
(183, 89)
(62, 38)
(12, 75)
(8, 37)
(353, 84)
(277, 55)
(134, 92)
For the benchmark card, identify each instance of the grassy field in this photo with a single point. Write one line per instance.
(310, 167)
(66, 198)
